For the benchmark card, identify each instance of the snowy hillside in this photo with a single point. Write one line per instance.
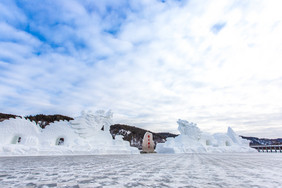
(40, 119)
(263, 141)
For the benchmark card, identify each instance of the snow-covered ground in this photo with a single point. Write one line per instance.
(148, 170)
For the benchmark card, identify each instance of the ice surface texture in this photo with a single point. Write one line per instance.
(192, 140)
(244, 170)
(83, 135)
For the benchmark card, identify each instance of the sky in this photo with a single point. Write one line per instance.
(152, 62)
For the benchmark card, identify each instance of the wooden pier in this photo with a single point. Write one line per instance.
(268, 148)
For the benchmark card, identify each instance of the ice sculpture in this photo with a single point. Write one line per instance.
(192, 140)
(83, 135)
(19, 131)
(189, 128)
(90, 123)
(234, 137)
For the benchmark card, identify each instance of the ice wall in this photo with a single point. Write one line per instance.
(13, 130)
(83, 135)
(192, 140)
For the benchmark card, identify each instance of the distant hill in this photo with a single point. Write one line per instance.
(44, 120)
(7, 116)
(135, 135)
(263, 141)
(40, 119)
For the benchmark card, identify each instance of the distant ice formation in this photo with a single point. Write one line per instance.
(192, 140)
(81, 136)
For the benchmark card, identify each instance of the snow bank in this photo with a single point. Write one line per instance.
(82, 136)
(192, 140)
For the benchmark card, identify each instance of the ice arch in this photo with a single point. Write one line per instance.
(208, 142)
(16, 139)
(60, 141)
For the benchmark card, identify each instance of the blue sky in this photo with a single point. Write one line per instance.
(151, 62)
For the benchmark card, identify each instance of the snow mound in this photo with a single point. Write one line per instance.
(192, 140)
(82, 136)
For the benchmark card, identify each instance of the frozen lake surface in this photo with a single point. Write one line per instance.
(148, 170)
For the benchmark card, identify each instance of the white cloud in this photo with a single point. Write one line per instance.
(150, 62)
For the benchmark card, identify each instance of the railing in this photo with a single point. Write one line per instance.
(268, 148)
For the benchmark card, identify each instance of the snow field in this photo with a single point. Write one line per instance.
(209, 170)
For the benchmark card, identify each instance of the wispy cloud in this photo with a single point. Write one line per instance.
(151, 62)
